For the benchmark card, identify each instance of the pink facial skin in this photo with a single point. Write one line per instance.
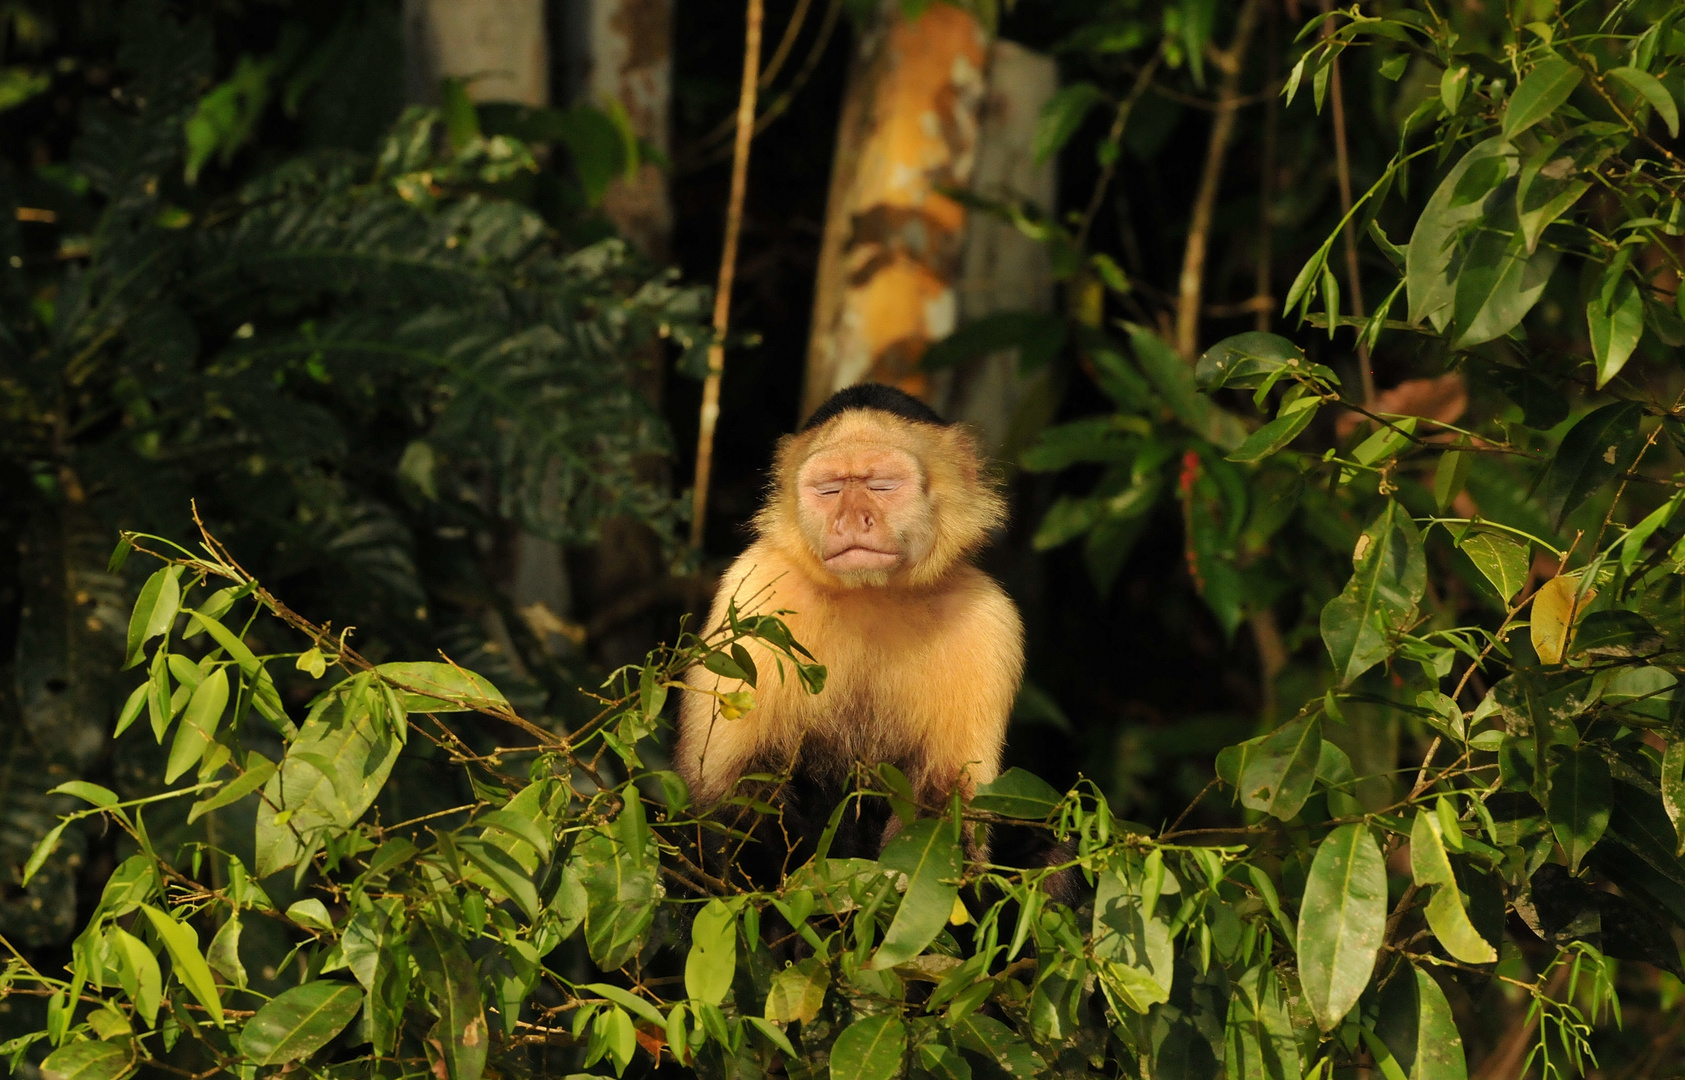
(858, 503)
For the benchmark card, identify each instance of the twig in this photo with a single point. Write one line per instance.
(710, 148)
(1192, 282)
(1119, 122)
(1266, 178)
(1342, 161)
(728, 269)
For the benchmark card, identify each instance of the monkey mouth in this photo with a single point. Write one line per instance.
(856, 558)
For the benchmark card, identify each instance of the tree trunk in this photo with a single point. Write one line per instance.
(498, 47)
(622, 50)
(892, 247)
(1001, 268)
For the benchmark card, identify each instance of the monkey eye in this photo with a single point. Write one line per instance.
(884, 485)
(827, 490)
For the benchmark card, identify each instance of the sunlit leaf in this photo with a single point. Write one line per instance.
(1279, 772)
(1557, 606)
(190, 969)
(712, 960)
(869, 1049)
(450, 979)
(1500, 559)
(1416, 1025)
(1341, 922)
(298, 1022)
(1358, 626)
(155, 610)
(1431, 866)
(90, 1060)
(928, 852)
(1543, 91)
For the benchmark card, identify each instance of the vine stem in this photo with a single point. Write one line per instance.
(1342, 164)
(1232, 61)
(728, 271)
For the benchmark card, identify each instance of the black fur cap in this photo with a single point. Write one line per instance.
(874, 396)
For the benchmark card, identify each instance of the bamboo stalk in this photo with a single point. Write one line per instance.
(1192, 282)
(728, 271)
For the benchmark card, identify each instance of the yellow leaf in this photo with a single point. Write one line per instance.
(959, 916)
(1554, 613)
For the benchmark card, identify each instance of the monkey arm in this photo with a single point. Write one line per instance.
(965, 701)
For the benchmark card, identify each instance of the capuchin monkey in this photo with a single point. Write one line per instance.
(874, 510)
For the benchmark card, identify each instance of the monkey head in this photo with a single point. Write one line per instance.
(877, 490)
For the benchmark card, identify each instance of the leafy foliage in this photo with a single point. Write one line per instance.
(1512, 605)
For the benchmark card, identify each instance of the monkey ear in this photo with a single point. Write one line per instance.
(966, 446)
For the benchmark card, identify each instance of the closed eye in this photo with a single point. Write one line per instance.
(827, 490)
(884, 485)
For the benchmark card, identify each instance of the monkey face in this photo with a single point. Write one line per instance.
(865, 510)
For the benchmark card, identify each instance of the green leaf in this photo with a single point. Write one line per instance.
(1062, 115)
(626, 1000)
(1415, 1023)
(1449, 920)
(310, 913)
(198, 724)
(1130, 937)
(928, 852)
(1545, 90)
(996, 1042)
(622, 887)
(869, 1049)
(1341, 922)
(1171, 376)
(90, 1060)
(94, 794)
(258, 771)
(1018, 793)
(1280, 770)
(224, 953)
(450, 979)
(428, 687)
(131, 708)
(216, 605)
(1500, 559)
(155, 610)
(1249, 360)
(1358, 626)
(1274, 436)
(712, 960)
(1615, 328)
(1632, 545)
(943, 1062)
(1457, 203)
(1673, 790)
(507, 875)
(1601, 445)
(798, 992)
(332, 771)
(1652, 91)
(43, 851)
(1497, 283)
(298, 1022)
(1579, 803)
(1037, 336)
(189, 965)
(139, 973)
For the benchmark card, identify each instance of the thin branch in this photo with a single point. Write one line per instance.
(1114, 136)
(1342, 161)
(1266, 179)
(728, 269)
(712, 148)
(1192, 282)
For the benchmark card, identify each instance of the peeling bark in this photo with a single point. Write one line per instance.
(893, 242)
